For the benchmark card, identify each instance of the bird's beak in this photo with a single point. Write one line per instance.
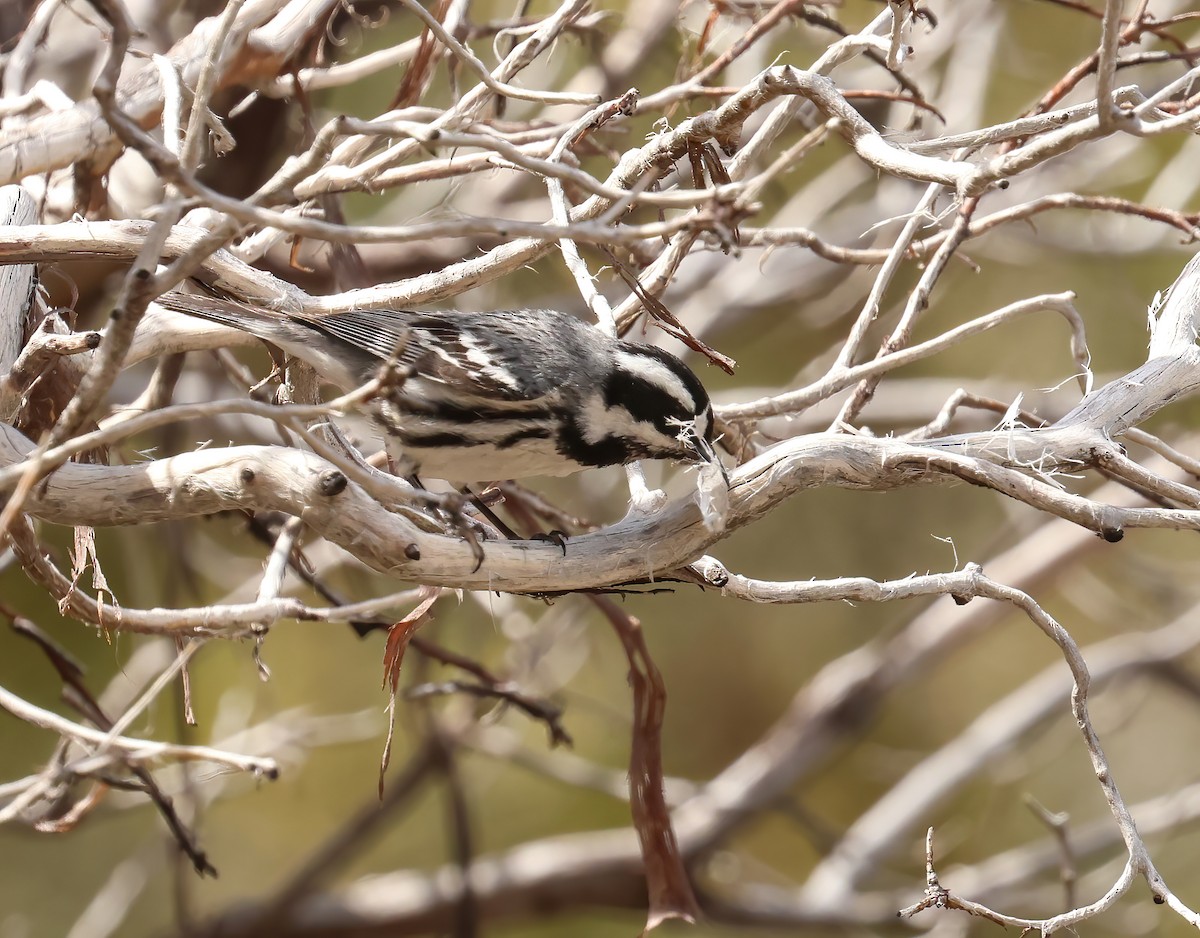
(708, 454)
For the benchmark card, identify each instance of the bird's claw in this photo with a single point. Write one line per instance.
(472, 530)
(556, 537)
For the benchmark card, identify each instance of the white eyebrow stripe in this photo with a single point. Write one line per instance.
(654, 372)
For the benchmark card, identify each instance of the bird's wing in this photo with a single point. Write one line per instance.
(480, 365)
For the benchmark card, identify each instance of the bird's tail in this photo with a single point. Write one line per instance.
(335, 360)
(225, 312)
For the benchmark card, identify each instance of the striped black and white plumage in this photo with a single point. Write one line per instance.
(496, 395)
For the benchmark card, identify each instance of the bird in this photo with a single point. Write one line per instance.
(488, 396)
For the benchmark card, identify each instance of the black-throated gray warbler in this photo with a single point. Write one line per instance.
(498, 395)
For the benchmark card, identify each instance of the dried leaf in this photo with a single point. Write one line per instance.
(84, 555)
(417, 75)
(666, 320)
(695, 153)
(710, 24)
(399, 635)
